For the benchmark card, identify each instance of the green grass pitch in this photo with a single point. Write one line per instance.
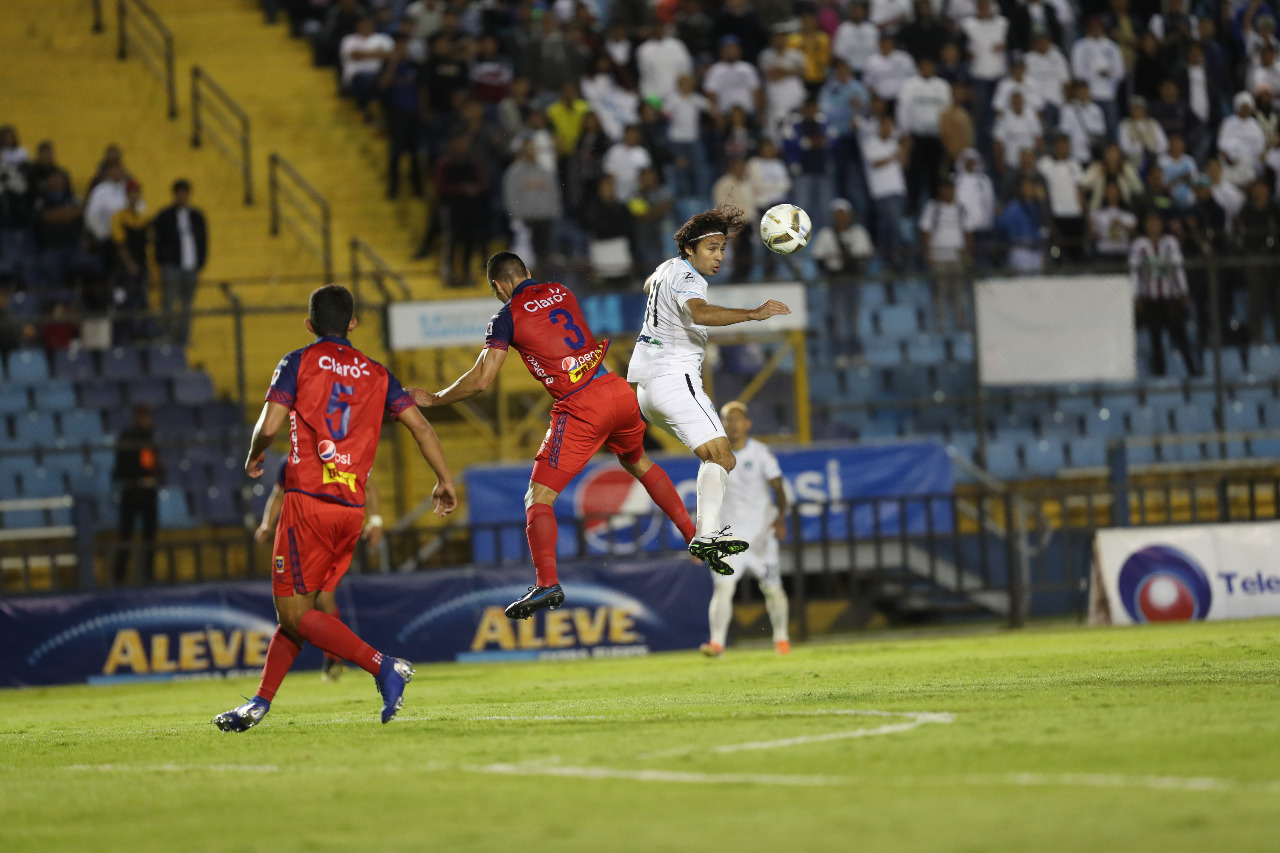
(1065, 739)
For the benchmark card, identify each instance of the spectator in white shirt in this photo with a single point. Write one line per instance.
(106, 198)
(891, 15)
(362, 54)
(1141, 138)
(883, 155)
(1180, 172)
(684, 112)
(1096, 60)
(770, 179)
(987, 35)
(1111, 226)
(1228, 196)
(1049, 75)
(887, 71)
(1241, 142)
(1161, 297)
(734, 188)
(1016, 81)
(1062, 177)
(733, 82)
(976, 195)
(857, 39)
(1083, 122)
(624, 161)
(615, 106)
(948, 244)
(661, 61)
(1015, 131)
(782, 68)
(770, 184)
(920, 103)
(841, 249)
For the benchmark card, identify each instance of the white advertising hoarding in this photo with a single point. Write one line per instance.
(462, 322)
(1170, 574)
(1041, 330)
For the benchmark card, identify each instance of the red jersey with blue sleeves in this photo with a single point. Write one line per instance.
(544, 323)
(336, 397)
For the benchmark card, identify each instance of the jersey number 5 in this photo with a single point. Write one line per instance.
(559, 316)
(338, 412)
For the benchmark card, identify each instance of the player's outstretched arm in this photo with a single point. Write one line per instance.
(705, 314)
(443, 495)
(264, 433)
(469, 384)
(270, 513)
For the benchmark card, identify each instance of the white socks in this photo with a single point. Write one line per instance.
(775, 601)
(712, 479)
(721, 611)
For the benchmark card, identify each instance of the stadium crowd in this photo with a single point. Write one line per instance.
(101, 252)
(585, 123)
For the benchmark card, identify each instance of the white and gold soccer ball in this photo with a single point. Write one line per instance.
(785, 228)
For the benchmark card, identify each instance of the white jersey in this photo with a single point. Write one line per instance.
(748, 498)
(670, 342)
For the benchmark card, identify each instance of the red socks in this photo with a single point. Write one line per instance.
(280, 656)
(336, 614)
(658, 485)
(328, 634)
(543, 530)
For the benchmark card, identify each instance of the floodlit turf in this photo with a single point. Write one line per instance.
(1159, 738)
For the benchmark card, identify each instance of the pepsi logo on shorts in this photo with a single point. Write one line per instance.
(327, 450)
(1161, 583)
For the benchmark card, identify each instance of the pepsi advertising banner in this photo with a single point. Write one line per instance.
(1182, 574)
(222, 630)
(617, 516)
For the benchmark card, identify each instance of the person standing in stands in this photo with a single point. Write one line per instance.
(1160, 294)
(182, 247)
(137, 473)
(842, 249)
(131, 234)
(463, 187)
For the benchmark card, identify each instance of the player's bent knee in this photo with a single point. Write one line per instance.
(539, 494)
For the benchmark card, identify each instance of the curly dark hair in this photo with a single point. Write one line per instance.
(725, 219)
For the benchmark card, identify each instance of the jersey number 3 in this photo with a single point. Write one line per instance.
(338, 413)
(560, 316)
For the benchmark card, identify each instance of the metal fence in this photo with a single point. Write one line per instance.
(214, 114)
(142, 31)
(298, 205)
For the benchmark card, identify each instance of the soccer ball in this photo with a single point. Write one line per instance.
(785, 228)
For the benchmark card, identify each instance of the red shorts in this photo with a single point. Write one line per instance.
(314, 543)
(604, 414)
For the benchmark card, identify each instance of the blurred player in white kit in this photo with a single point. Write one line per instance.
(755, 505)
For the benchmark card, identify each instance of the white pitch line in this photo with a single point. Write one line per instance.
(1119, 780)
(659, 775)
(177, 768)
(544, 717)
(916, 720)
(1195, 784)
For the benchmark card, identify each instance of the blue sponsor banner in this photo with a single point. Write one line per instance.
(833, 486)
(222, 630)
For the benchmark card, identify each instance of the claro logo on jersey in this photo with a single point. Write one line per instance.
(354, 370)
(554, 297)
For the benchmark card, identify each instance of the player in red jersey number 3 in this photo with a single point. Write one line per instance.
(333, 397)
(593, 407)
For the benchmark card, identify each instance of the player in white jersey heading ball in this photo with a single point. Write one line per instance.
(755, 504)
(666, 366)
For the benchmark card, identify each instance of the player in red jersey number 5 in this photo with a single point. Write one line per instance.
(333, 397)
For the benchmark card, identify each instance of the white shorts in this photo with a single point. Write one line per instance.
(677, 403)
(760, 561)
